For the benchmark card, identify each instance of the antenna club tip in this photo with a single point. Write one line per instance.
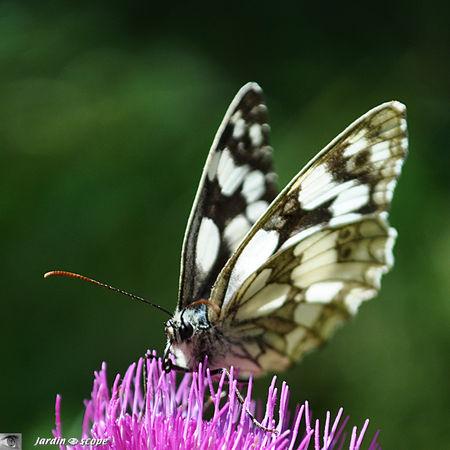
(51, 273)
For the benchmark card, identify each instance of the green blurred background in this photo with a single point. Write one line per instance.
(107, 112)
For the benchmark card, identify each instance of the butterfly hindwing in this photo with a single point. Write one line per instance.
(295, 301)
(351, 179)
(236, 188)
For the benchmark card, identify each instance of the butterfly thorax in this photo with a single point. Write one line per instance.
(192, 337)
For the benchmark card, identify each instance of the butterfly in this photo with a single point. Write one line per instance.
(267, 278)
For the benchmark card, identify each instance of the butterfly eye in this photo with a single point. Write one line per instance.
(186, 331)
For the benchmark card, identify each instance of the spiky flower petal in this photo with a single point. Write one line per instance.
(198, 413)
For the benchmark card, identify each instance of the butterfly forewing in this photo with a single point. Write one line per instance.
(236, 188)
(352, 178)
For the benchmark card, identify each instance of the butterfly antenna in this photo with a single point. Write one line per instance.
(64, 273)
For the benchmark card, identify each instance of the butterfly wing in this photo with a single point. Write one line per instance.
(236, 187)
(353, 177)
(295, 301)
(271, 284)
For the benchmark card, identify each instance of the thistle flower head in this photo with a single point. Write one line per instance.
(200, 413)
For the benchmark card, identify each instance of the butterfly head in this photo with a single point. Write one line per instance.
(185, 324)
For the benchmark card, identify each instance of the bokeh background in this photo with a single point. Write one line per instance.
(107, 111)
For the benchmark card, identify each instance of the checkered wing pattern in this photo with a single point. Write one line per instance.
(318, 251)
(236, 187)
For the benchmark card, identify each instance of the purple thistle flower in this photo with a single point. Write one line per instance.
(172, 416)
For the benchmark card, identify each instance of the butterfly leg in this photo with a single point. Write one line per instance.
(168, 366)
(221, 370)
(210, 400)
(148, 355)
(241, 400)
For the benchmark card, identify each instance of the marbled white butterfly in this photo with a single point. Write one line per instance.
(266, 278)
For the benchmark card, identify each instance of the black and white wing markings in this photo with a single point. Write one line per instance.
(351, 178)
(295, 301)
(236, 187)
